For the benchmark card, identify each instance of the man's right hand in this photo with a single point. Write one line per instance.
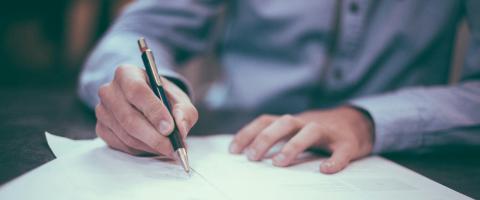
(130, 118)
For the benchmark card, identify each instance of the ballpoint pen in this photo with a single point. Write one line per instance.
(157, 87)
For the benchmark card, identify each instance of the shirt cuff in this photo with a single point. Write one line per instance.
(396, 121)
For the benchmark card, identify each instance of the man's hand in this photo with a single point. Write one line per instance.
(345, 132)
(130, 118)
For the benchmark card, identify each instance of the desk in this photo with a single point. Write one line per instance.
(27, 112)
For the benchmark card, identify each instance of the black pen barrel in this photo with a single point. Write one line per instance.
(159, 91)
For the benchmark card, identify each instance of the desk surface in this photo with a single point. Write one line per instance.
(27, 113)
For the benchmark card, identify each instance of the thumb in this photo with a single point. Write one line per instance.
(339, 159)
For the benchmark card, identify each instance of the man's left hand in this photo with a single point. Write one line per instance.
(345, 132)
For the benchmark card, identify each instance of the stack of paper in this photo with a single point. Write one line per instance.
(90, 170)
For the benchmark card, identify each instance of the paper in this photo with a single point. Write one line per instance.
(90, 170)
(62, 146)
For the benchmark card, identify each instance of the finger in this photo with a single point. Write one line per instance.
(132, 121)
(246, 135)
(174, 92)
(340, 158)
(113, 142)
(280, 128)
(134, 86)
(186, 115)
(106, 117)
(305, 138)
(184, 112)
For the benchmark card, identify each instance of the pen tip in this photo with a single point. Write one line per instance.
(182, 155)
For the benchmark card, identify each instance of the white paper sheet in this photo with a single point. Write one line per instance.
(90, 170)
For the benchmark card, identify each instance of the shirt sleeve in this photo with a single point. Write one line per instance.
(428, 116)
(175, 31)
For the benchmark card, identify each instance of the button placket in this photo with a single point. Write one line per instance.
(353, 16)
(352, 26)
(353, 7)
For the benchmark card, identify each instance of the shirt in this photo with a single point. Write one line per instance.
(389, 58)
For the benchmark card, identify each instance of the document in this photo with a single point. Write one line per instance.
(88, 169)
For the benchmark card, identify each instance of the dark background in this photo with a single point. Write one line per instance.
(45, 42)
(42, 47)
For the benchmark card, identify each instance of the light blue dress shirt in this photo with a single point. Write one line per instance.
(390, 58)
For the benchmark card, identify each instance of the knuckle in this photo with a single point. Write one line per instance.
(192, 116)
(135, 89)
(191, 112)
(97, 108)
(287, 117)
(104, 91)
(129, 122)
(264, 137)
(292, 147)
(240, 138)
(99, 130)
(121, 70)
(313, 126)
(195, 114)
(315, 129)
(98, 111)
(119, 73)
(155, 114)
(130, 142)
(265, 118)
(288, 120)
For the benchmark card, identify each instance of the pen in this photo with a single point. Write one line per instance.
(157, 87)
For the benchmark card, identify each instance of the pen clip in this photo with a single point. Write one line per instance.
(153, 67)
(149, 60)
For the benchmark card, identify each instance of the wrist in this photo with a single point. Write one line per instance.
(364, 124)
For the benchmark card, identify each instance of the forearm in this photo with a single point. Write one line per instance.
(116, 49)
(173, 29)
(414, 117)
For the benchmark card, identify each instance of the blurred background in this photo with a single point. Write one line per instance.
(42, 47)
(46, 42)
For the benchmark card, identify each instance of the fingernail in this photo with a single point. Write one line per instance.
(164, 128)
(233, 148)
(251, 153)
(279, 159)
(328, 164)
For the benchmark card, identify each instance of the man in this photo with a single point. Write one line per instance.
(352, 77)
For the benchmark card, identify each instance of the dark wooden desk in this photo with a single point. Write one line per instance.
(27, 112)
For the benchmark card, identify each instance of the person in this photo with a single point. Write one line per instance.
(350, 77)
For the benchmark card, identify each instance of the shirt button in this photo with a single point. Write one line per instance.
(337, 74)
(353, 7)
